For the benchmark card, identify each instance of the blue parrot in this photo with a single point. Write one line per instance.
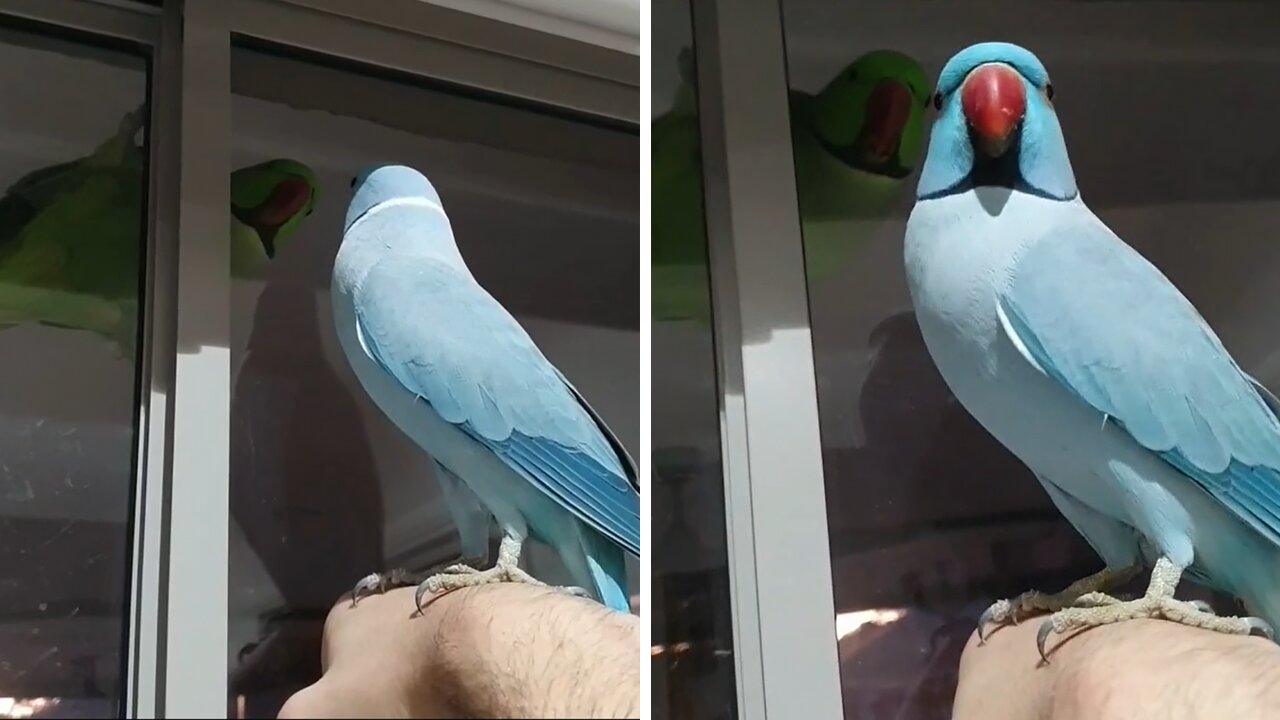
(510, 438)
(1080, 357)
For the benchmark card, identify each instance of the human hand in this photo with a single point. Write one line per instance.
(500, 650)
(1133, 670)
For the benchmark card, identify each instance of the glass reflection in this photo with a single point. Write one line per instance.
(72, 233)
(693, 665)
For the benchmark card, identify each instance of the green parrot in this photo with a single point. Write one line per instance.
(269, 201)
(69, 250)
(679, 254)
(855, 142)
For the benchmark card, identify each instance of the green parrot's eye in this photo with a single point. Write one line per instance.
(937, 101)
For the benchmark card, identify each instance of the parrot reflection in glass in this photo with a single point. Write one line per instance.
(855, 143)
(70, 250)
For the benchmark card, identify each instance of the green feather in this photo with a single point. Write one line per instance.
(70, 254)
(841, 195)
(253, 242)
(839, 113)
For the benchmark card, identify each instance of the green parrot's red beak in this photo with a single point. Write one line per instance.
(286, 200)
(888, 110)
(994, 100)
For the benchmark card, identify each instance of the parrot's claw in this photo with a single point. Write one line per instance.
(378, 583)
(124, 335)
(456, 577)
(998, 612)
(1081, 592)
(371, 583)
(134, 121)
(1032, 602)
(1042, 636)
(1185, 612)
(1259, 627)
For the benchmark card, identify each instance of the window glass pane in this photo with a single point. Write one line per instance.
(693, 671)
(325, 488)
(72, 229)
(931, 518)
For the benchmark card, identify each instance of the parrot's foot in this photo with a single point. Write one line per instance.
(123, 335)
(507, 569)
(1032, 602)
(378, 583)
(1096, 599)
(1099, 612)
(456, 577)
(133, 121)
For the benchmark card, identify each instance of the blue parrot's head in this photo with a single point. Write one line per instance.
(997, 126)
(377, 186)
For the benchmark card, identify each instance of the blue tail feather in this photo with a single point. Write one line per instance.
(606, 565)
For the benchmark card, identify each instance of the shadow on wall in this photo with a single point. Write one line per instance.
(925, 470)
(301, 490)
(934, 519)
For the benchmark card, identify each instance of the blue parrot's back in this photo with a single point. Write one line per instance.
(459, 375)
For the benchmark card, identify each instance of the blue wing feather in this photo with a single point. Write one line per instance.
(1099, 319)
(629, 464)
(444, 338)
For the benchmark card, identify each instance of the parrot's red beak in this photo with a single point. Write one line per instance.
(286, 200)
(994, 99)
(888, 110)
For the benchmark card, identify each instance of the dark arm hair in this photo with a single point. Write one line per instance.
(517, 654)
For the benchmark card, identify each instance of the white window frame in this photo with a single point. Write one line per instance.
(785, 649)
(178, 616)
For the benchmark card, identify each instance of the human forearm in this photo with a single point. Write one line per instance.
(1133, 670)
(503, 650)
(509, 651)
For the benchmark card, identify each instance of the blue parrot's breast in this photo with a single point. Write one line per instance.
(964, 254)
(960, 255)
(961, 252)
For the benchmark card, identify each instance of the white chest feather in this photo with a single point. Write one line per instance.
(961, 253)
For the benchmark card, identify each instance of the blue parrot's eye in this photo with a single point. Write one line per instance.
(353, 182)
(937, 101)
(1048, 90)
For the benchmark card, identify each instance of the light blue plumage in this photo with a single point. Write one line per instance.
(1087, 363)
(510, 436)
